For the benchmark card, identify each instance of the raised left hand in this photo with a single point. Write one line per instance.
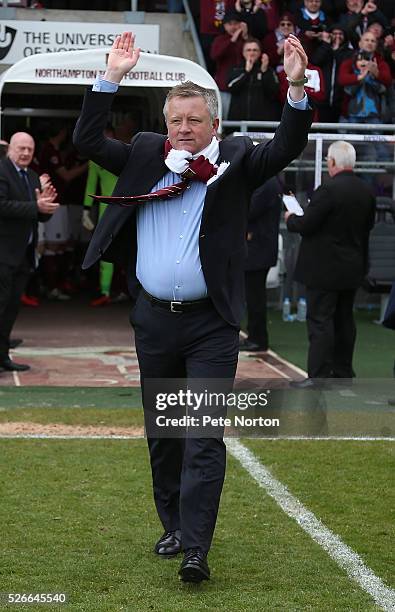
(295, 58)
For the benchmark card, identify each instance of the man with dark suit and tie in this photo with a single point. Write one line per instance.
(23, 202)
(332, 263)
(185, 261)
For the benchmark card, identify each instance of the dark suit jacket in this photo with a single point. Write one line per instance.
(18, 213)
(263, 224)
(140, 165)
(335, 230)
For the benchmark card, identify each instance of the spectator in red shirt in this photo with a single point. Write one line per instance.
(226, 51)
(211, 17)
(366, 79)
(372, 74)
(273, 43)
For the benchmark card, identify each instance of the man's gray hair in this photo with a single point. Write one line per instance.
(191, 90)
(343, 153)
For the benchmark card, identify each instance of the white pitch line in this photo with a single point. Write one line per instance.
(342, 554)
(66, 437)
(266, 438)
(282, 374)
(73, 350)
(287, 363)
(16, 379)
(280, 359)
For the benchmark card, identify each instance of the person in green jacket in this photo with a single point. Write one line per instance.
(97, 176)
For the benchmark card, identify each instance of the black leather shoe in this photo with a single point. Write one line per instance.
(169, 545)
(14, 342)
(251, 347)
(11, 366)
(194, 567)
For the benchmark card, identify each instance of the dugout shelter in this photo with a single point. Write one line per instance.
(51, 85)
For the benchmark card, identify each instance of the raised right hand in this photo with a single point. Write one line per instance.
(122, 57)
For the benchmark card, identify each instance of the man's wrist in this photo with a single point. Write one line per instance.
(113, 76)
(296, 93)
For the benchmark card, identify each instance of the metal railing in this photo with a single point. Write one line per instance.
(190, 25)
(374, 134)
(363, 127)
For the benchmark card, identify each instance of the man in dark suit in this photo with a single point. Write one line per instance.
(22, 204)
(332, 262)
(262, 242)
(187, 273)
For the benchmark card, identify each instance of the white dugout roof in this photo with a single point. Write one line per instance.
(54, 73)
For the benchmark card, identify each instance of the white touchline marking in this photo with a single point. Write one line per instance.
(74, 350)
(280, 359)
(269, 365)
(132, 437)
(67, 437)
(342, 554)
(287, 363)
(16, 379)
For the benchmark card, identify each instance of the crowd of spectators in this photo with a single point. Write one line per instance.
(350, 45)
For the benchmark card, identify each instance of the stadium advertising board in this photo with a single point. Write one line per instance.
(16, 3)
(20, 39)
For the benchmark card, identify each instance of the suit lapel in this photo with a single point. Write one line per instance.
(227, 152)
(147, 174)
(140, 180)
(16, 180)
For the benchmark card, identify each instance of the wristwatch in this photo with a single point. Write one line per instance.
(299, 82)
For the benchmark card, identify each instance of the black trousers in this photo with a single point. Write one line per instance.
(255, 283)
(187, 473)
(12, 284)
(332, 333)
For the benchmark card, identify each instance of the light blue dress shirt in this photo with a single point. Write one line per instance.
(168, 259)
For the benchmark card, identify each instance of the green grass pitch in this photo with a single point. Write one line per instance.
(77, 516)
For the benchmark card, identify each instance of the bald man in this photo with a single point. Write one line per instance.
(23, 202)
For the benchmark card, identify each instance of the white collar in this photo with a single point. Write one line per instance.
(312, 15)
